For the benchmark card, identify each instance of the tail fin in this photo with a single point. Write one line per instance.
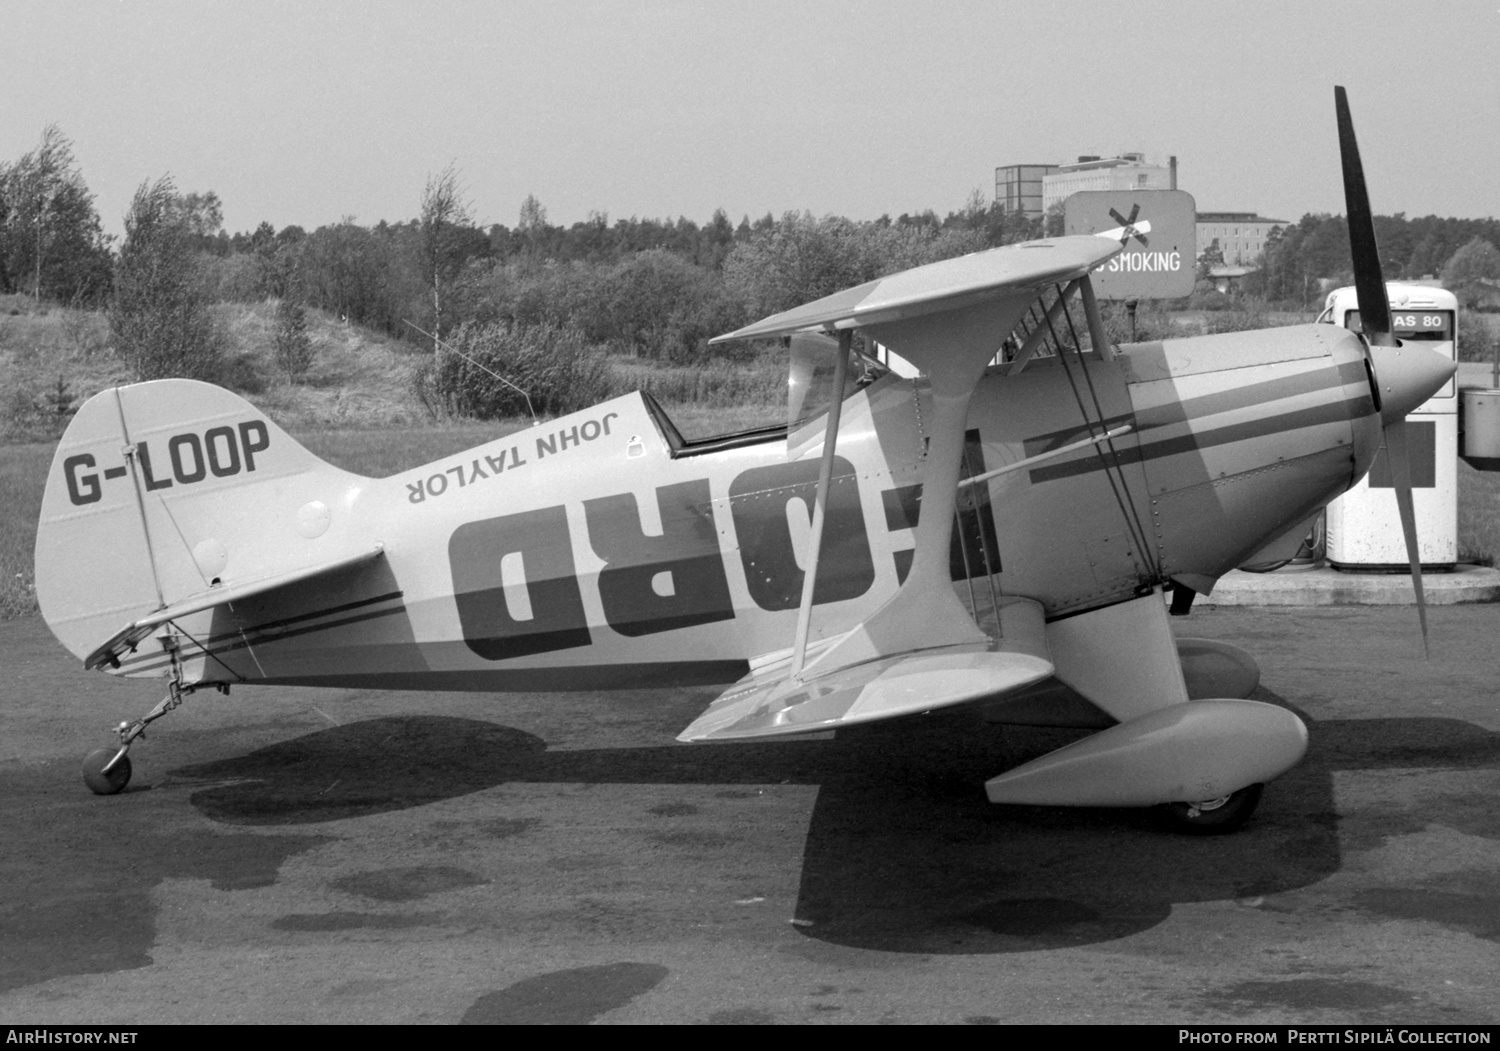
(161, 491)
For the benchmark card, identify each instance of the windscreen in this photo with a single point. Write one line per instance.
(810, 386)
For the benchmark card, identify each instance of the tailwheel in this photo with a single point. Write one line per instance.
(106, 771)
(1212, 817)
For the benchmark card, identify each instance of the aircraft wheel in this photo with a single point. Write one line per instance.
(100, 782)
(1212, 817)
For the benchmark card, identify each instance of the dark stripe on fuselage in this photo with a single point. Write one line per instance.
(330, 611)
(235, 640)
(1209, 405)
(1336, 412)
(1217, 403)
(1244, 397)
(537, 680)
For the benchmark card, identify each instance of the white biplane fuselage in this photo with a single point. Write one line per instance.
(600, 550)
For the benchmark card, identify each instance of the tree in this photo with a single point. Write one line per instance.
(159, 317)
(717, 239)
(1208, 259)
(801, 258)
(532, 227)
(1473, 272)
(50, 238)
(445, 217)
(294, 350)
(657, 304)
(203, 216)
(371, 277)
(1055, 220)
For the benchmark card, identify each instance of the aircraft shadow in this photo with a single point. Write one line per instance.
(903, 852)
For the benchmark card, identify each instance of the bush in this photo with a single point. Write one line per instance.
(483, 370)
(1206, 297)
(240, 372)
(1242, 319)
(1151, 322)
(36, 409)
(716, 384)
(1476, 338)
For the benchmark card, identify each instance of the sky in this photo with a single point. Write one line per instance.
(312, 111)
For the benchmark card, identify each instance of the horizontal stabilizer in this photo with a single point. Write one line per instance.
(127, 638)
(770, 702)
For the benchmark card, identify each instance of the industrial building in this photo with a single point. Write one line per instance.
(1033, 189)
(1129, 171)
(1241, 235)
(1018, 188)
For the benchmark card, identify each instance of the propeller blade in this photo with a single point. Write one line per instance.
(1369, 283)
(1399, 457)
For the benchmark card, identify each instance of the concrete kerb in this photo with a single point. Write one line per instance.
(1324, 586)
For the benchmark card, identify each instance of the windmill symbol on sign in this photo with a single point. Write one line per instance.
(1129, 228)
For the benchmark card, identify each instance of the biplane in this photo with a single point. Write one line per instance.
(1013, 507)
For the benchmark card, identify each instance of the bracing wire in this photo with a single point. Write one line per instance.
(206, 651)
(1151, 561)
(991, 559)
(963, 553)
(1138, 537)
(454, 350)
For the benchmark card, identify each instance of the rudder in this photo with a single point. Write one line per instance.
(162, 490)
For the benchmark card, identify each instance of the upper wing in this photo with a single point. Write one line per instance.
(943, 286)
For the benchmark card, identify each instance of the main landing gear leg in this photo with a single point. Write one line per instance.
(107, 770)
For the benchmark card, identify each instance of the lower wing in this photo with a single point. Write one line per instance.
(770, 701)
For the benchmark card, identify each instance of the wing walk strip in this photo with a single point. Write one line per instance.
(242, 638)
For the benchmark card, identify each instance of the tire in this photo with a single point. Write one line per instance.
(100, 782)
(1212, 818)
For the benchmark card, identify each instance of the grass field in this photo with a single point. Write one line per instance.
(1478, 515)
(23, 474)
